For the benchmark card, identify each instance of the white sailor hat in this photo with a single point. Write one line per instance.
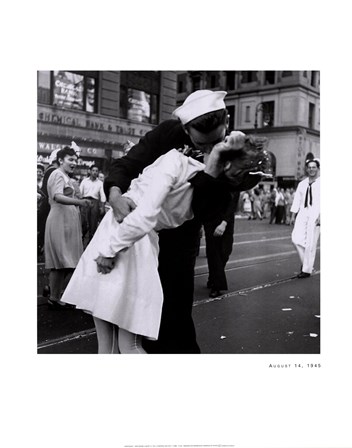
(316, 160)
(199, 103)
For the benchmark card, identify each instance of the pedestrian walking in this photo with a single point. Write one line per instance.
(306, 217)
(273, 193)
(257, 205)
(247, 204)
(126, 302)
(63, 235)
(288, 204)
(279, 206)
(219, 244)
(266, 204)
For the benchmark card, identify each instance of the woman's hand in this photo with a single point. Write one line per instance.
(121, 206)
(234, 142)
(104, 264)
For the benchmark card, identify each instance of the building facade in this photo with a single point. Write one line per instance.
(283, 106)
(101, 111)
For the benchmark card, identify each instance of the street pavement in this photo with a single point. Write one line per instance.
(266, 309)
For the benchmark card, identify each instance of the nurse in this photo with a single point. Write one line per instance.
(305, 214)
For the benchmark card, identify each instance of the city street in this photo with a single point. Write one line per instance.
(266, 310)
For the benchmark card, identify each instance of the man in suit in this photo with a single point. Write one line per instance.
(219, 244)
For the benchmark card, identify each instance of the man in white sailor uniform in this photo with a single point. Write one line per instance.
(305, 213)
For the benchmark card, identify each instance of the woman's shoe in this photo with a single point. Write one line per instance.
(56, 304)
(214, 293)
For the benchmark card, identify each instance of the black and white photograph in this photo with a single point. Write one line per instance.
(192, 206)
(218, 173)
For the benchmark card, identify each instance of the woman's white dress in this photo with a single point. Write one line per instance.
(131, 296)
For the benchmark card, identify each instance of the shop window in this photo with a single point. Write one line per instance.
(69, 90)
(72, 90)
(139, 96)
(137, 105)
(231, 112)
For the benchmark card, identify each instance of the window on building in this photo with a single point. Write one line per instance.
(268, 113)
(195, 83)
(73, 90)
(248, 114)
(231, 111)
(311, 115)
(69, 90)
(313, 79)
(287, 73)
(269, 77)
(230, 80)
(305, 74)
(249, 77)
(44, 94)
(181, 83)
(212, 80)
(139, 96)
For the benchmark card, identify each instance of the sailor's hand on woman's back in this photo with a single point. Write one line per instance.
(121, 205)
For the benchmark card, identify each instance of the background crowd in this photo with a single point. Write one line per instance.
(270, 203)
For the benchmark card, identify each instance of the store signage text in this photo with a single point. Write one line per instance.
(68, 120)
(45, 159)
(85, 151)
